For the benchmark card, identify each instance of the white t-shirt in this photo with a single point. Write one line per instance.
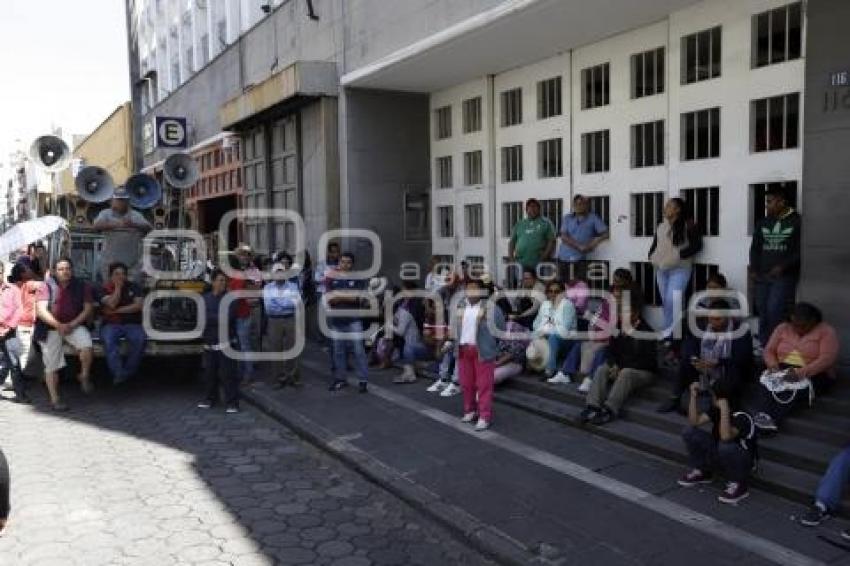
(469, 326)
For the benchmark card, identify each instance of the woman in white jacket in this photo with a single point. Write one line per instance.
(555, 321)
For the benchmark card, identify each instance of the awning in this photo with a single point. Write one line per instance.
(513, 34)
(301, 79)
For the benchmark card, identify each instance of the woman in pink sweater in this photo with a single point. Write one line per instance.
(808, 348)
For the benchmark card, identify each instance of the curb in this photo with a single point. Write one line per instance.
(485, 539)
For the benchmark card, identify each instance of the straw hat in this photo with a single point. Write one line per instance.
(536, 354)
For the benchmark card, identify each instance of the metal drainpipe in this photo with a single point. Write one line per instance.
(491, 182)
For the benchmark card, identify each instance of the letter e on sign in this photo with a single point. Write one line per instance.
(171, 132)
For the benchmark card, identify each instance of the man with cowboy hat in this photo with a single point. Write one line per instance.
(123, 230)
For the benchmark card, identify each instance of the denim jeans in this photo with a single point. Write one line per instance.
(557, 344)
(111, 334)
(340, 351)
(12, 364)
(707, 455)
(448, 367)
(584, 357)
(243, 334)
(834, 481)
(414, 352)
(672, 284)
(773, 298)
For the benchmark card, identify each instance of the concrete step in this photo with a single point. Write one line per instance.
(773, 476)
(808, 452)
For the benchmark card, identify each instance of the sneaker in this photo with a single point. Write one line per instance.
(668, 405)
(559, 378)
(734, 493)
(585, 385)
(232, 409)
(765, 423)
(604, 416)
(450, 390)
(338, 385)
(815, 515)
(205, 405)
(408, 375)
(363, 387)
(438, 385)
(694, 477)
(468, 418)
(587, 414)
(482, 425)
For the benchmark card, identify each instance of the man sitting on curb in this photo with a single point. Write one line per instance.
(730, 447)
(631, 364)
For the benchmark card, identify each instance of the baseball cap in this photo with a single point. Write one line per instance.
(121, 193)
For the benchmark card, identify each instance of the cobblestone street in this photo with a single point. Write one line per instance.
(142, 477)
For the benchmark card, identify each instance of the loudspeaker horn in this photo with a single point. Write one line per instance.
(144, 191)
(94, 184)
(50, 153)
(180, 171)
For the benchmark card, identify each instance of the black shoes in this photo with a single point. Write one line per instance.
(363, 387)
(604, 416)
(338, 386)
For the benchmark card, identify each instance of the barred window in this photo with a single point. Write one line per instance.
(511, 107)
(758, 192)
(775, 123)
(778, 35)
(701, 56)
(597, 86)
(553, 209)
(648, 73)
(472, 168)
(444, 172)
(644, 276)
(472, 115)
(699, 278)
(647, 213)
(595, 148)
(598, 274)
(512, 164)
(703, 205)
(443, 122)
(701, 134)
(473, 215)
(601, 206)
(549, 98)
(511, 214)
(549, 158)
(446, 218)
(648, 144)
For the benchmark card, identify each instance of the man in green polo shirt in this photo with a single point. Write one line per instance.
(533, 237)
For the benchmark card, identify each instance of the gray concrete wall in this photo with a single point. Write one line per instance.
(376, 28)
(386, 149)
(826, 169)
(320, 170)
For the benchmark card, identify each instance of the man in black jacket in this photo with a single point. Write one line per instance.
(775, 261)
(631, 364)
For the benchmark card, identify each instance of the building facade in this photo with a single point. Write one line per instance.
(696, 105)
(469, 108)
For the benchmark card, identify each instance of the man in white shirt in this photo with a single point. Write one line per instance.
(123, 230)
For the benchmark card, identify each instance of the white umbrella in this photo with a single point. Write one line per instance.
(25, 233)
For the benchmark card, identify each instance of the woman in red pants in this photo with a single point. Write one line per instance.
(477, 321)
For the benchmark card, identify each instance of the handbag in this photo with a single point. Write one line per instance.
(784, 391)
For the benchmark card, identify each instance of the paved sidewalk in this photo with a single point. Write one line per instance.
(560, 495)
(142, 477)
